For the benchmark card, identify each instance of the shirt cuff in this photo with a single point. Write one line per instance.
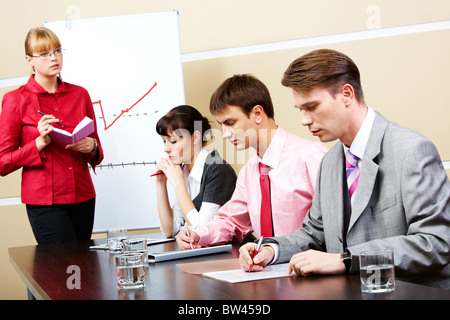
(276, 250)
(193, 217)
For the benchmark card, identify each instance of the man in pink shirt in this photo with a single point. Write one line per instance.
(242, 105)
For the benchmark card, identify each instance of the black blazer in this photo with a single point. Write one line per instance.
(217, 183)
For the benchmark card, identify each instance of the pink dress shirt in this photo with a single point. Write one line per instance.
(293, 163)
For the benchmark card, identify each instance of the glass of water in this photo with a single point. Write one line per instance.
(377, 271)
(115, 237)
(130, 271)
(136, 245)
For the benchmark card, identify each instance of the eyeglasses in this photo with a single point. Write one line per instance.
(48, 54)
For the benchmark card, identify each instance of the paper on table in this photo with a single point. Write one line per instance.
(239, 275)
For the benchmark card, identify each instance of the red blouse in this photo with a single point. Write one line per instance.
(55, 175)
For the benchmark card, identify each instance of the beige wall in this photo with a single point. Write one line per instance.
(405, 77)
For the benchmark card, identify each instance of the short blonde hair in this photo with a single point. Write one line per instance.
(41, 39)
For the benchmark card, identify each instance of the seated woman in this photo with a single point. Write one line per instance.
(201, 179)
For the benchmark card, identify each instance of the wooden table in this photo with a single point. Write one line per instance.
(45, 269)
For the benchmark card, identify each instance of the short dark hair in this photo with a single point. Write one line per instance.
(183, 117)
(325, 68)
(244, 91)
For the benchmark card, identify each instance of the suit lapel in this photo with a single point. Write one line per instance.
(337, 192)
(333, 191)
(369, 169)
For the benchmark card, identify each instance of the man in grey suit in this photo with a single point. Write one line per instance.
(402, 196)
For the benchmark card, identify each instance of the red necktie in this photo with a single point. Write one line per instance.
(266, 207)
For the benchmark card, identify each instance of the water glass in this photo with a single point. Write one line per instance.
(130, 271)
(377, 271)
(115, 238)
(136, 245)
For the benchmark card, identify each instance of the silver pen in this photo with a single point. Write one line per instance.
(188, 234)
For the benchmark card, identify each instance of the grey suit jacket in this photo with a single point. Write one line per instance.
(402, 203)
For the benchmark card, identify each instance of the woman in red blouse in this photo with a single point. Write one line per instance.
(56, 184)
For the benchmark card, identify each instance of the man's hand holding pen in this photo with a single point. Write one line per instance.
(188, 242)
(259, 261)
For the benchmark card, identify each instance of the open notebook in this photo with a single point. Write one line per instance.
(84, 128)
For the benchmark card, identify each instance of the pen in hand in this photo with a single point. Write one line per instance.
(188, 234)
(45, 115)
(157, 173)
(258, 247)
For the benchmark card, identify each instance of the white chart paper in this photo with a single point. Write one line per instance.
(239, 275)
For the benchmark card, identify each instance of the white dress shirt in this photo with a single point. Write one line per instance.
(192, 181)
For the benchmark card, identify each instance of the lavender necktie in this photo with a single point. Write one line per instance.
(352, 172)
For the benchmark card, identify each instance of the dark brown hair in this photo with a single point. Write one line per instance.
(244, 91)
(325, 68)
(184, 117)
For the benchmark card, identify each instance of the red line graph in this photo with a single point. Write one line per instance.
(99, 102)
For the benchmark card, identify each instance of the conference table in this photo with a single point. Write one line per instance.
(48, 271)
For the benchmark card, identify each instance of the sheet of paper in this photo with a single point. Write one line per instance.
(239, 275)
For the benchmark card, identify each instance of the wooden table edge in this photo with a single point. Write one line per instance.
(31, 284)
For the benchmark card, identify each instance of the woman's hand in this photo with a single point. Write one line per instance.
(85, 145)
(172, 172)
(45, 126)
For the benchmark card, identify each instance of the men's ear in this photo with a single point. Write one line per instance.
(347, 94)
(257, 113)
